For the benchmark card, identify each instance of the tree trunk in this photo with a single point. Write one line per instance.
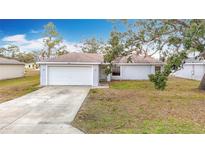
(202, 83)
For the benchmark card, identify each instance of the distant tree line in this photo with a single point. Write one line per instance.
(13, 51)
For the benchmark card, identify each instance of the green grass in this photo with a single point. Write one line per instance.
(136, 107)
(13, 88)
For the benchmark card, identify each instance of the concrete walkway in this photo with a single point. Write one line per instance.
(48, 110)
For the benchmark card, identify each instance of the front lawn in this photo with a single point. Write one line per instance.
(136, 107)
(12, 88)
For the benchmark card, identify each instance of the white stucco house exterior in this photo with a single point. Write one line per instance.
(88, 69)
(192, 69)
(10, 68)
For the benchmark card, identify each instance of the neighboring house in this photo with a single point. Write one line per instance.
(192, 69)
(10, 68)
(88, 69)
(31, 66)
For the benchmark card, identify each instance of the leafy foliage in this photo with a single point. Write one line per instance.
(62, 50)
(11, 51)
(92, 46)
(174, 63)
(113, 50)
(52, 39)
(159, 80)
(172, 39)
(28, 57)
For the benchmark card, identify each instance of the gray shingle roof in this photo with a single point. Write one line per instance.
(9, 61)
(92, 57)
(194, 60)
(134, 58)
(77, 57)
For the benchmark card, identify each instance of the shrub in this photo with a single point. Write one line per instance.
(159, 80)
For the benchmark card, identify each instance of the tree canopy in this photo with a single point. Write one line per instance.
(10, 51)
(113, 49)
(92, 46)
(173, 40)
(28, 57)
(51, 41)
(13, 51)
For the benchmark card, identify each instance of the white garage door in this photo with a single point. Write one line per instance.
(136, 72)
(70, 75)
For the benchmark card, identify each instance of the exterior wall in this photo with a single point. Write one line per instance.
(103, 76)
(153, 69)
(136, 72)
(44, 73)
(96, 75)
(113, 77)
(191, 71)
(127, 72)
(11, 71)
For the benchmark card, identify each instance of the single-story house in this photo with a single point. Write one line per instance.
(11, 68)
(192, 69)
(31, 66)
(89, 69)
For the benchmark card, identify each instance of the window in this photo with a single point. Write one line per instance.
(116, 70)
(157, 68)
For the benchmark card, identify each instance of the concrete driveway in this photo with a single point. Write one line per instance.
(48, 110)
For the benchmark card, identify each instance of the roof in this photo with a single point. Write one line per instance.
(134, 58)
(79, 57)
(8, 61)
(194, 60)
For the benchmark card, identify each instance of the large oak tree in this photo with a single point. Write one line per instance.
(173, 40)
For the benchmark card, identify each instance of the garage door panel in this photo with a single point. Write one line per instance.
(69, 75)
(136, 72)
